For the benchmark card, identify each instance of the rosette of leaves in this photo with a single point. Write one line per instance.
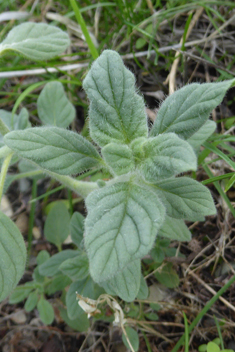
(146, 197)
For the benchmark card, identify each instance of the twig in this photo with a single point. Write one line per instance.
(211, 290)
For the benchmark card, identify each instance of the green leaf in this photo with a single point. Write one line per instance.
(36, 41)
(13, 256)
(126, 284)
(54, 149)
(56, 227)
(79, 324)
(85, 288)
(46, 311)
(42, 257)
(21, 292)
(117, 112)
(186, 110)
(119, 157)
(76, 268)
(133, 337)
(144, 290)
(175, 230)
(198, 138)
(212, 347)
(157, 254)
(185, 198)
(77, 229)
(51, 266)
(20, 122)
(121, 226)
(54, 108)
(38, 278)
(168, 276)
(167, 155)
(31, 301)
(27, 166)
(58, 283)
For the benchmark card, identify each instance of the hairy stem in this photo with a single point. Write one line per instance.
(3, 174)
(83, 188)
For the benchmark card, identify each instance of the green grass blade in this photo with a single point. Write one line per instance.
(84, 29)
(203, 312)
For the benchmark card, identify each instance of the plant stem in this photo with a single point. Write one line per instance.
(31, 216)
(203, 312)
(4, 151)
(84, 29)
(81, 187)
(3, 173)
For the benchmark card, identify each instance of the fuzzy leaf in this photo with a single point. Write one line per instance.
(185, 111)
(126, 284)
(54, 108)
(46, 311)
(21, 292)
(81, 324)
(122, 223)
(54, 149)
(77, 229)
(144, 290)
(198, 138)
(167, 155)
(12, 256)
(56, 227)
(175, 229)
(119, 157)
(76, 268)
(117, 112)
(36, 41)
(51, 266)
(185, 198)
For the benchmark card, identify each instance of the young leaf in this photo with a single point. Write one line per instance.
(42, 257)
(54, 149)
(54, 108)
(76, 268)
(185, 111)
(51, 266)
(185, 198)
(168, 276)
(31, 301)
(175, 230)
(21, 292)
(36, 41)
(20, 122)
(198, 138)
(133, 338)
(117, 112)
(58, 283)
(126, 284)
(46, 311)
(56, 227)
(167, 155)
(119, 157)
(13, 256)
(144, 290)
(122, 222)
(77, 229)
